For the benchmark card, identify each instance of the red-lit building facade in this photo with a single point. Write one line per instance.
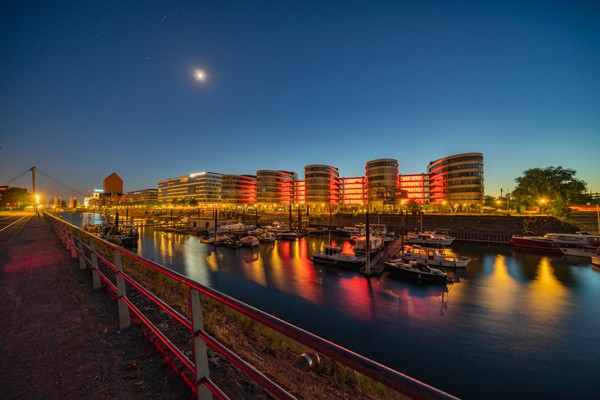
(383, 189)
(414, 188)
(353, 193)
(456, 183)
(238, 190)
(275, 189)
(322, 187)
(453, 183)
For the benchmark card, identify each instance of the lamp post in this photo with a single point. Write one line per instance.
(542, 202)
(597, 212)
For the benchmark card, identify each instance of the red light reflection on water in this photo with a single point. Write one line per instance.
(358, 294)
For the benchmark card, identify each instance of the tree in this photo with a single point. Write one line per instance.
(551, 189)
(15, 197)
(489, 201)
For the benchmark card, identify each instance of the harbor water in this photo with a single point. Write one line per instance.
(516, 324)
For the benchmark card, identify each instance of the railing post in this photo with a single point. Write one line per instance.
(71, 241)
(200, 354)
(95, 275)
(82, 264)
(62, 234)
(124, 318)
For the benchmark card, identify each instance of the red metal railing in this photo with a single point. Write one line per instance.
(204, 388)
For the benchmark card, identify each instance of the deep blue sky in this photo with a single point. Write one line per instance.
(91, 88)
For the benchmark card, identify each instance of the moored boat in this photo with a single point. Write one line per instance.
(580, 251)
(287, 235)
(416, 271)
(376, 244)
(437, 257)
(430, 238)
(332, 255)
(249, 241)
(554, 241)
(267, 237)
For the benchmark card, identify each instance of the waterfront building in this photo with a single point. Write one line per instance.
(238, 190)
(353, 194)
(322, 184)
(300, 192)
(456, 183)
(383, 190)
(275, 189)
(112, 189)
(414, 188)
(112, 185)
(453, 183)
(205, 187)
(143, 196)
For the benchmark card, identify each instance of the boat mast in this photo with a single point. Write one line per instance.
(368, 248)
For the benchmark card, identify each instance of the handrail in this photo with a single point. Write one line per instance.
(72, 236)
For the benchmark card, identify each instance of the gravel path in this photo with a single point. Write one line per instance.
(59, 339)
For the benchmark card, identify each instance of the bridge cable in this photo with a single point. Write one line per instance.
(45, 174)
(14, 179)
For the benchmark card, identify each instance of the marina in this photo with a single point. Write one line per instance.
(514, 317)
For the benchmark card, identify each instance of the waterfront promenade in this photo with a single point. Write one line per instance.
(59, 339)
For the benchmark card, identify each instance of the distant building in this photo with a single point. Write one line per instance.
(414, 188)
(238, 190)
(143, 196)
(72, 202)
(275, 189)
(112, 185)
(456, 183)
(322, 187)
(382, 184)
(353, 194)
(204, 187)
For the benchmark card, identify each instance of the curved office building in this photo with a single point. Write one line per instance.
(322, 186)
(382, 182)
(456, 182)
(238, 190)
(275, 188)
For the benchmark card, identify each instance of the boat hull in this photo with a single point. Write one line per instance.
(399, 272)
(337, 262)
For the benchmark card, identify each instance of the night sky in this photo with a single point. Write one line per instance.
(91, 88)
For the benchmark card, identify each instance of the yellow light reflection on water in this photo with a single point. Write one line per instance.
(253, 265)
(521, 298)
(547, 297)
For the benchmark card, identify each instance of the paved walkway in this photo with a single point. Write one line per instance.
(59, 339)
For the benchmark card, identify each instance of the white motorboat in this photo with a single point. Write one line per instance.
(430, 238)
(376, 243)
(211, 239)
(434, 257)
(277, 226)
(232, 227)
(267, 237)
(332, 255)
(287, 235)
(581, 251)
(249, 241)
